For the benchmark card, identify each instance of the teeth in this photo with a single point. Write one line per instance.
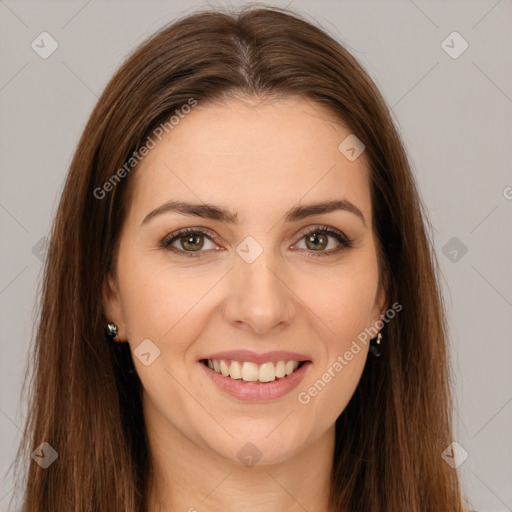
(249, 371)
(280, 369)
(224, 368)
(267, 372)
(289, 367)
(235, 371)
(252, 372)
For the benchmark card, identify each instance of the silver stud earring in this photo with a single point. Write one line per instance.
(112, 332)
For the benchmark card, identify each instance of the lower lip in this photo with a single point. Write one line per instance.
(257, 391)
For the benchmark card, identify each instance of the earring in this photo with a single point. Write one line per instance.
(374, 345)
(111, 331)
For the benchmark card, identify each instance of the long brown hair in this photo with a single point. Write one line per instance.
(85, 396)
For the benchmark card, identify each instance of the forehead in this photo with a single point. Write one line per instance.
(253, 157)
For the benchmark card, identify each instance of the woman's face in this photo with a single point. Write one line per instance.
(258, 284)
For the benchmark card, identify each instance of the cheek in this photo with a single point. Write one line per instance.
(343, 303)
(162, 302)
(160, 299)
(343, 298)
(342, 307)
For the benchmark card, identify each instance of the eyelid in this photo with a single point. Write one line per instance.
(168, 239)
(321, 227)
(342, 239)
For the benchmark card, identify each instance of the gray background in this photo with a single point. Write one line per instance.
(455, 115)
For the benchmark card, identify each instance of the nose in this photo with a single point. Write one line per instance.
(259, 298)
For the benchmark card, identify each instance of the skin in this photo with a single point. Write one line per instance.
(257, 159)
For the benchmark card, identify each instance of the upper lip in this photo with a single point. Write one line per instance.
(254, 357)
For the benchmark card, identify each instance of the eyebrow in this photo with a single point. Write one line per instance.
(210, 211)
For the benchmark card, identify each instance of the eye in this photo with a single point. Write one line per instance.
(317, 239)
(189, 240)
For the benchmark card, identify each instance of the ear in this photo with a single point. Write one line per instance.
(112, 304)
(381, 302)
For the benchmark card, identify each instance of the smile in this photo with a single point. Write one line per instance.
(249, 381)
(253, 372)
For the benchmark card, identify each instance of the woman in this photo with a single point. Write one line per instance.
(240, 306)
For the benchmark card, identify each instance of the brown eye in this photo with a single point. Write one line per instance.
(317, 241)
(191, 242)
(188, 241)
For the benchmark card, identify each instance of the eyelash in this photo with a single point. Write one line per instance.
(338, 235)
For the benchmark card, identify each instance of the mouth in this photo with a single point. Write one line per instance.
(247, 371)
(253, 382)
